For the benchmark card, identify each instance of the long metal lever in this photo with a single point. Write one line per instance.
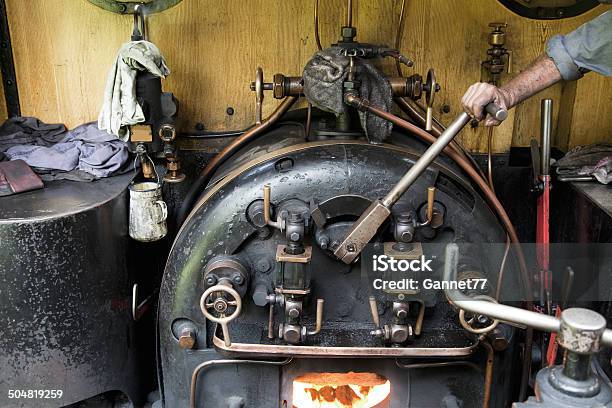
(366, 226)
(500, 311)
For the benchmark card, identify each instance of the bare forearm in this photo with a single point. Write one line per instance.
(541, 74)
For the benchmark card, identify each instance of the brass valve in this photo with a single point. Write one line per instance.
(494, 65)
(281, 87)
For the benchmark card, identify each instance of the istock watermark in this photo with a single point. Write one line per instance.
(384, 263)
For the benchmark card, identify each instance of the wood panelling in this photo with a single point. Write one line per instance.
(62, 55)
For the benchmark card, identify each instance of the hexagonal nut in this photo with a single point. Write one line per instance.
(187, 339)
(348, 32)
(278, 86)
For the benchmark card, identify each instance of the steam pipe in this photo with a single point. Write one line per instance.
(437, 129)
(349, 13)
(316, 26)
(236, 144)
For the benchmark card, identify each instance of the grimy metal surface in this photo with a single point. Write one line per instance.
(64, 292)
(318, 171)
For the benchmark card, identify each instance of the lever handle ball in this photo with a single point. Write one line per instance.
(497, 112)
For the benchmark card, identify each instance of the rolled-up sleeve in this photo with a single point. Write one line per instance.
(588, 48)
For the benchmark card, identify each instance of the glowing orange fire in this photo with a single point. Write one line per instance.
(341, 390)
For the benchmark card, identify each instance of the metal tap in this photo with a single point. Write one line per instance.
(495, 64)
(399, 331)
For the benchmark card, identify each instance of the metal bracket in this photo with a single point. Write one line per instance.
(127, 7)
(7, 66)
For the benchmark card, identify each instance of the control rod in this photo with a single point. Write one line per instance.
(499, 311)
(364, 229)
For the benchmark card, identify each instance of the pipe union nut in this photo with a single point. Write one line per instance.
(581, 330)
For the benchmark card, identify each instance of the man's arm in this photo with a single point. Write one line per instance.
(588, 48)
(541, 74)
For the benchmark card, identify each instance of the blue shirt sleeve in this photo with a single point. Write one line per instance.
(588, 48)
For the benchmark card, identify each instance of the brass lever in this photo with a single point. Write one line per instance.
(431, 195)
(267, 220)
(319, 321)
(380, 332)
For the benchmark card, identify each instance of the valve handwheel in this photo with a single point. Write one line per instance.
(220, 304)
(467, 324)
(225, 298)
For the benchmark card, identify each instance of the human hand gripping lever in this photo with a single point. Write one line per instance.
(364, 229)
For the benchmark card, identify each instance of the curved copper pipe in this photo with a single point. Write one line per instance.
(437, 129)
(490, 157)
(316, 25)
(227, 151)
(486, 399)
(398, 36)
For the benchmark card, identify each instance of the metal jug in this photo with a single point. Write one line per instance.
(148, 212)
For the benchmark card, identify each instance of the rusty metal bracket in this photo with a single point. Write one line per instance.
(127, 7)
(7, 66)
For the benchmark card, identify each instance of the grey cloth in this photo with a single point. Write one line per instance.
(120, 108)
(85, 153)
(324, 76)
(588, 48)
(594, 160)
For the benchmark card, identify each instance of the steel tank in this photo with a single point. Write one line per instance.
(65, 294)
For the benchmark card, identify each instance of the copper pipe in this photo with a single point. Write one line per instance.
(431, 195)
(437, 364)
(308, 120)
(271, 321)
(316, 25)
(319, 319)
(437, 129)
(480, 182)
(247, 350)
(502, 267)
(349, 13)
(227, 151)
(486, 399)
(398, 36)
(418, 327)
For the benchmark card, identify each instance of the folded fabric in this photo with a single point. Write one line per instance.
(24, 130)
(594, 160)
(17, 177)
(86, 152)
(323, 77)
(120, 107)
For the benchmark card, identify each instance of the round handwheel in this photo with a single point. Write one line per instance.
(467, 324)
(221, 304)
